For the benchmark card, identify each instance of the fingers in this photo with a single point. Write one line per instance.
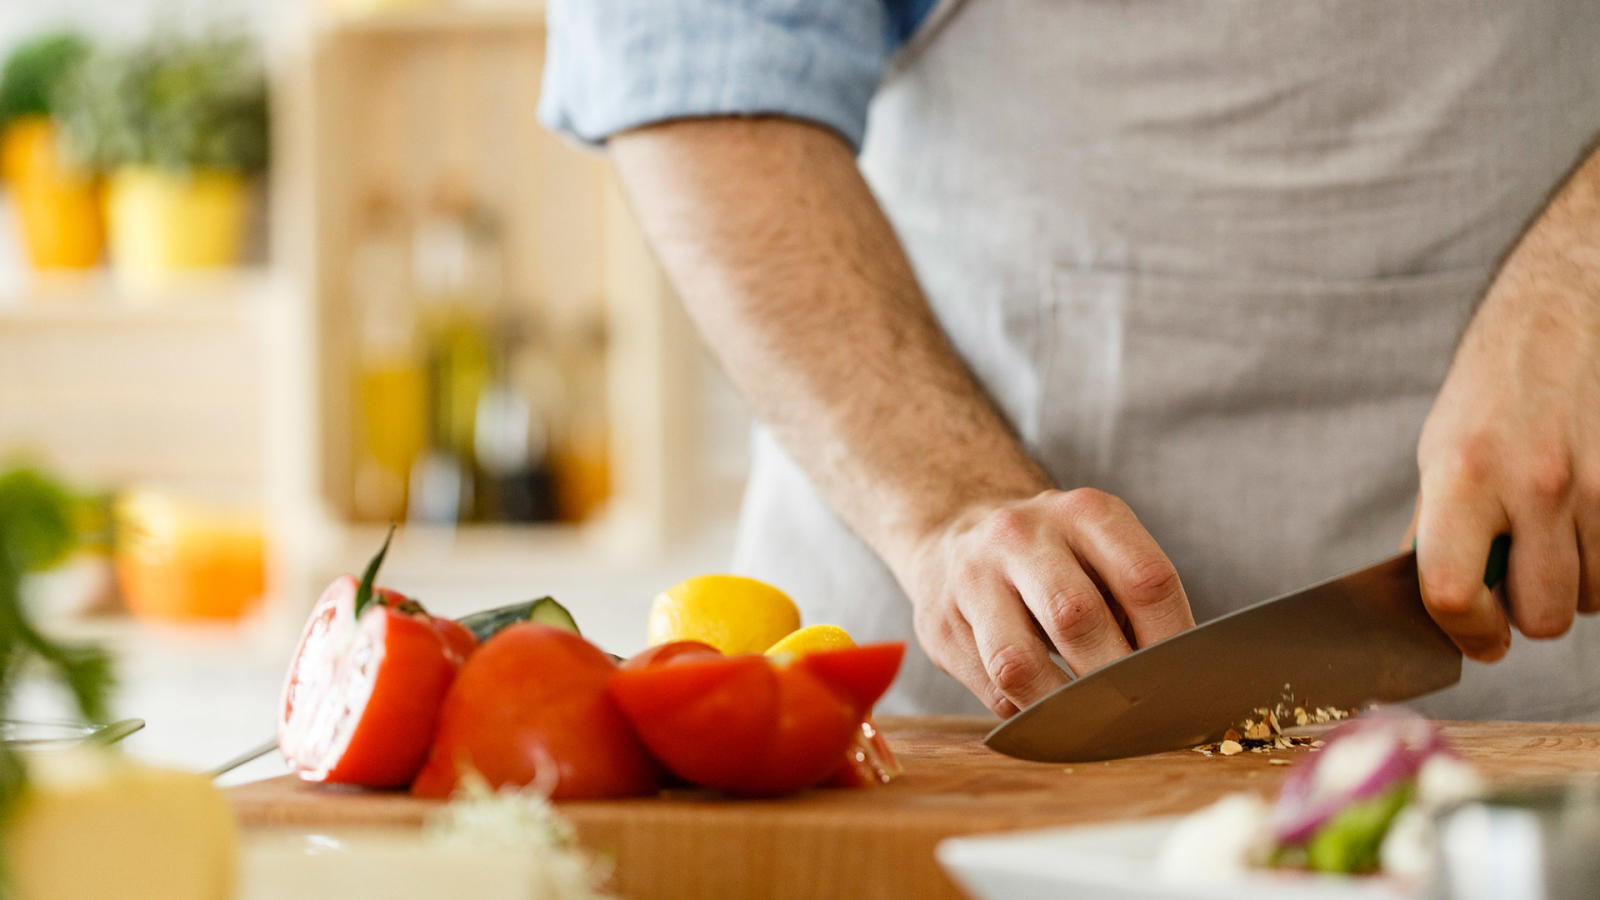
(1455, 526)
(950, 644)
(1542, 575)
(1015, 660)
(1107, 535)
(1069, 607)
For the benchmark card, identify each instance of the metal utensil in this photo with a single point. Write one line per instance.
(1345, 642)
(248, 756)
(28, 734)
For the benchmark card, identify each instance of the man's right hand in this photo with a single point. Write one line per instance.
(794, 276)
(1002, 584)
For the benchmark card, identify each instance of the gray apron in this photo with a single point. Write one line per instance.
(1213, 257)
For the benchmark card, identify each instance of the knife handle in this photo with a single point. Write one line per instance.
(1499, 554)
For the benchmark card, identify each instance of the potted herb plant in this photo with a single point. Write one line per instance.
(58, 204)
(180, 126)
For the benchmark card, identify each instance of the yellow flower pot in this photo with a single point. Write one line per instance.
(58, 207)
(164, 223)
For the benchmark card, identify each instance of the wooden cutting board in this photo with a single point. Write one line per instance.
(878, 843)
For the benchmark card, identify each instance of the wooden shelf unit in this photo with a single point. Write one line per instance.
(397, 103)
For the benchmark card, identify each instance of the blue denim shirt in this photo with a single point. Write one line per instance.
(612, 65)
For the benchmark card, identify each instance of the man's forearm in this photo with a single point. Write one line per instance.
(796, 280)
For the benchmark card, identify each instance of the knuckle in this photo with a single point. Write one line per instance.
(1073, 613)
(934, 631)
(1471, 461)
(1012, 668)
(970, 572)
(1150, 581)
(1008, 526)
(1450, 594)
(1550, 475)
(1088, 503)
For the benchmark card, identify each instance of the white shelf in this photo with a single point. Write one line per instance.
(98, 299)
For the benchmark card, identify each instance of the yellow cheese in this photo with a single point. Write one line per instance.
(96, 825)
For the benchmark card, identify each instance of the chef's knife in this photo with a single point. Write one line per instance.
(1360, 638)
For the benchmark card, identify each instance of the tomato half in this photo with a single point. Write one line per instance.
(361, 698)
(531, 708)
(752, 726)
(665, 653)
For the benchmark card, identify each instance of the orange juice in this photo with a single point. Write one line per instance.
(183, 561)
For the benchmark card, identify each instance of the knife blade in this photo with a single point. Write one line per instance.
(1359, 638)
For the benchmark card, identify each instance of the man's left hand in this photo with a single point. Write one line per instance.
(1512, 444)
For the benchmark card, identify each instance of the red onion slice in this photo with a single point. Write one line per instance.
(1386, 746)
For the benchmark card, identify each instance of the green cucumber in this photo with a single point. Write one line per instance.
(485, 624)
(546, 611)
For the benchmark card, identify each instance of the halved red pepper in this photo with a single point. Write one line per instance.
(749, 725)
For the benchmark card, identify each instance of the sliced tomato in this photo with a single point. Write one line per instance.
(706, 718)
(361, 698)
(530, 707)
(863, 673)
(748, 724)
(671, 650)
(868, 762)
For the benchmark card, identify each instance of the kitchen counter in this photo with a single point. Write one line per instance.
(879, 842)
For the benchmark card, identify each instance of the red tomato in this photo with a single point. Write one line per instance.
(869, 761)
(749, 725)
(664, 653)
(863, 673)
(458, 639)
(361, 698)
(530, 707)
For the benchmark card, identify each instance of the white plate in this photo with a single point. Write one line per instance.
(1118, 862)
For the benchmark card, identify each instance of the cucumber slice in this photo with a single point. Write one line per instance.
(484, 624)
(546, 611)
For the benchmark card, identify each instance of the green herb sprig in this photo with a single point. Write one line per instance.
(38, 529)
(35, 70)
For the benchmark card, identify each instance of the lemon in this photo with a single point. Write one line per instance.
(730, 612)
(811, 639)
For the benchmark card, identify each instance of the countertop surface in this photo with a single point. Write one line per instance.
(879, 842)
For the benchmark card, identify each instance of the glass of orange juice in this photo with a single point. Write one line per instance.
(188, 558)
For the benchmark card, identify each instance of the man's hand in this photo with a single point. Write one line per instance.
(1003, 584)
(1513, 441)
(793, 275)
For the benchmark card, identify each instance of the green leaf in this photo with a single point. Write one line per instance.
(39, 526)
(35, 70)
(370, 576)
(179, 103)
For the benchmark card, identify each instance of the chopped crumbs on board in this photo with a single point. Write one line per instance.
(1263, 731)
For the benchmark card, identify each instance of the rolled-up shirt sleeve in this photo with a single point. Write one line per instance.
(612, 65)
